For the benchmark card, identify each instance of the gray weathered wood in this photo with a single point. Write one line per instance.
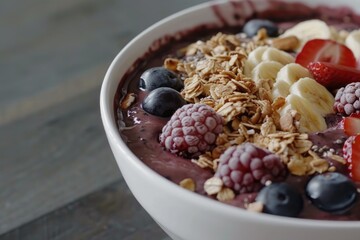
(53, 56)
(109, 214)
(51, 158)
(46, 42)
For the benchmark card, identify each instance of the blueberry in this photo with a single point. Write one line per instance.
(253, 26)
(163, 102)
(281, 199)
(332, 192)
(160, 77)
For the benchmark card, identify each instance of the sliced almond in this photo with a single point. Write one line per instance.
(188, 184)
(289, 43)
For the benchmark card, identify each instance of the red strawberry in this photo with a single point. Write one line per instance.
(340, 124)
(333, 76)
(352, 126)
(355, 115)
(320, 50)
(351, 152)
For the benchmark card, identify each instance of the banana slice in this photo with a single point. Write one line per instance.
(254, 58)
(334, 33)
(274, 54)
(338, 35)
(310, 120)
(266, 70)
(286, 77)
(353, 42)
(320, 98)
(308, 30)
(292, 72)
(342, 35)
(280, 89)
(265, 53)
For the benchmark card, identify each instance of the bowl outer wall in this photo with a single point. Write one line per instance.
(183, 213)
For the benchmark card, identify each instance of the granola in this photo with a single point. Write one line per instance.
(216, 77)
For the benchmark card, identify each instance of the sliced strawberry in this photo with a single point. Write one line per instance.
(340, 124)
(355, 115)
(333, 76)
(352, 126)
(320, 50)
(351, 151)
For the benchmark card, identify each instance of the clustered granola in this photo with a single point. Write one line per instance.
(213, 75)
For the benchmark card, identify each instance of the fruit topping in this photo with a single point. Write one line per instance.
(320, 50)
(319, 97)
(302, 94)
(265, 70)
(192, 130)
(351, 153)
(355, 115)
(352, 41)
(286, 77)
(339, 123)
(310, 119)
(347, 99)
(163, 102)
(280, 199)
(246, 168)
(333, 76)
(308, 30)
(332, 192)
(253, 26)
(265, 62)
(351, 126)
(159, 77)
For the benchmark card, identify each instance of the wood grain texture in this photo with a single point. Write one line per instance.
(53, 56)
(46, 42)
(51, 158)
(109, 214)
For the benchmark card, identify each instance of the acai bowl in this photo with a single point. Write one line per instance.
(135, 135)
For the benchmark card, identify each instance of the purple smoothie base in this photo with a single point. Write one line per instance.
(142, 129)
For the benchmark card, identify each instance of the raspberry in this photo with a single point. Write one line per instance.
(192, 130)
(246, 168)
(347, 99)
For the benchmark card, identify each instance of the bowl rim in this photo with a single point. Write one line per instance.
(112, 132)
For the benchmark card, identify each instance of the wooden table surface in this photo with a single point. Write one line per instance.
(58, 177)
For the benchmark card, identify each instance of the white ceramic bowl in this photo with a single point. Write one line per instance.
(181, 213)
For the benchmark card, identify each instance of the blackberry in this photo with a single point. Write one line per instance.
(347, 99)
(192, 130)
(246, 168)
